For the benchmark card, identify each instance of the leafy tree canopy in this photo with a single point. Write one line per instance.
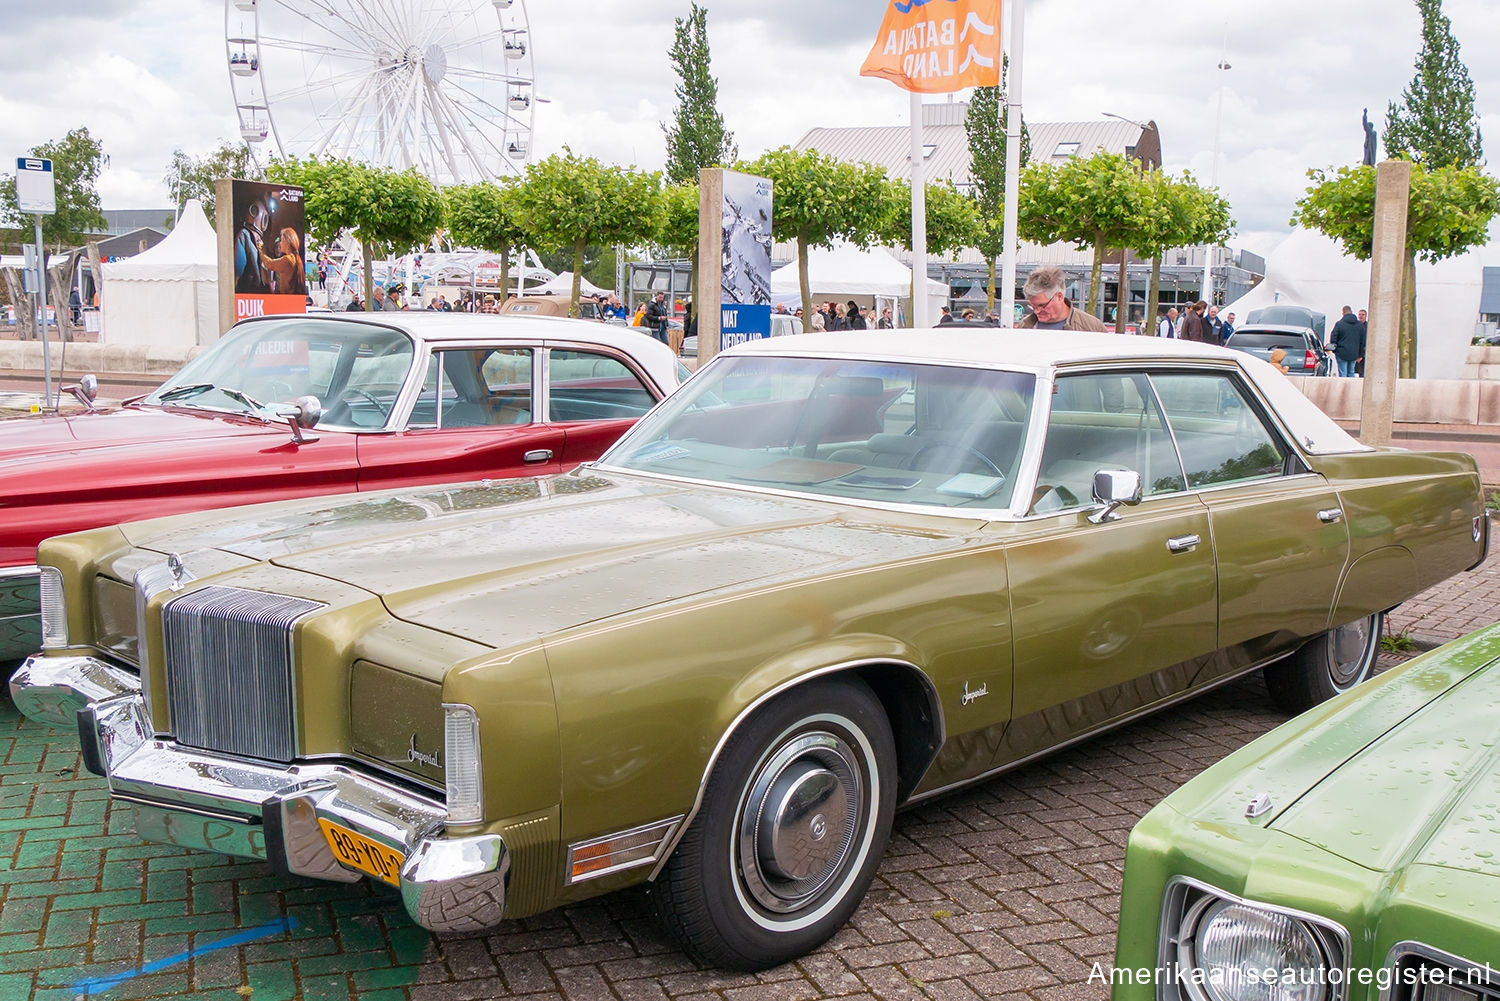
(1435, 124)
(77, 160)
(677, 229)
(193, 176)
(953, 221)
(697, 137)
(986, 124)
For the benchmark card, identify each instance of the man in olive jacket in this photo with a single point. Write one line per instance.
(1049, 309)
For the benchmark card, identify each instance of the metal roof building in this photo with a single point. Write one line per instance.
(946, 146)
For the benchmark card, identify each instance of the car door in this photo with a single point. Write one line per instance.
(1110, 617)
(594, 395)
(473, 419)
(1278, 530)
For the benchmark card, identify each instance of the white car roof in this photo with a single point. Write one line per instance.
(1046, 350)
(437, 328)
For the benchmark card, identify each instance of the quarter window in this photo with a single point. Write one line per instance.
(1104, 421)
(475, 387)
(1222, 438)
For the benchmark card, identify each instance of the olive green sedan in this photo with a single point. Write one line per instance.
(830, 576)
(1352, 854)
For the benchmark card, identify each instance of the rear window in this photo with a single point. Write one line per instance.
(1245, 339)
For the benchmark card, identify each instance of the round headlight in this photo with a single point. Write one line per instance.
(1244, 953)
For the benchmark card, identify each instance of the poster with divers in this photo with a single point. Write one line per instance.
(270, 235)
(745, 303)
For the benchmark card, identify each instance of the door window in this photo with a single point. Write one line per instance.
(1104, 421)
(587, 386)
(475, 387)
(1222, 438)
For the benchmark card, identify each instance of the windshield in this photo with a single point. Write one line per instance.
(354, 369)
(900, 433)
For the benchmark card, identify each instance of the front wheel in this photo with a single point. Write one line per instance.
(1326, 666)
(793, 824)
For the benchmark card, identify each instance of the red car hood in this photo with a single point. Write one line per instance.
(28, 437)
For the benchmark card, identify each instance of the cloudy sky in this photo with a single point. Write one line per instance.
(148, 76)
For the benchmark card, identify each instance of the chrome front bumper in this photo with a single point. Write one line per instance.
(235, 806)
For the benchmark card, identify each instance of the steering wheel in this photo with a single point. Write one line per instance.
(967, 449)
(382, 409)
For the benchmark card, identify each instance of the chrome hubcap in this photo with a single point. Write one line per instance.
(798, 820)
(1350, 650)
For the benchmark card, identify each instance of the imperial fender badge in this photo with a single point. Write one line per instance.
(977, 693)
(179, 572)
(414, 755)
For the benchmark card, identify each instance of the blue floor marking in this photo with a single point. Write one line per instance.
(98, 985)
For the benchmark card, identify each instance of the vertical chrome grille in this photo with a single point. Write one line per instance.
(229, 670)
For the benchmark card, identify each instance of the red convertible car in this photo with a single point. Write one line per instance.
(288, 407)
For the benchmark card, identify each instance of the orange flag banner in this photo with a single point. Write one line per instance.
(937, 46)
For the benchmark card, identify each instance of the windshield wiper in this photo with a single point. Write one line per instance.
(180, 392)
(245, 399)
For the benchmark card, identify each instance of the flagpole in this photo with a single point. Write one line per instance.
(1012, 162)
(919, 317)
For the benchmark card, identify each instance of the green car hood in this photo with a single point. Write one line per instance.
(505, 562)
(1400, 773)
(1426, 792)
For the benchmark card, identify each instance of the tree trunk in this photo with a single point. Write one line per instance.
(1407, 365)
(1095, 275)
(96, 267)
(1122, 293)
(989, 298)
(804, 283)
(1153, 296)
(367, 252)
(59, 285)
(22, 302)
(579, 246)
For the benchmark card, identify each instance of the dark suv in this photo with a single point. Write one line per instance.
(1304, 352)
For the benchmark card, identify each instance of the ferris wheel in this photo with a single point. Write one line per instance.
(445, 86)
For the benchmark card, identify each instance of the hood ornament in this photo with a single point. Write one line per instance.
(178, 571)
(1259, 806)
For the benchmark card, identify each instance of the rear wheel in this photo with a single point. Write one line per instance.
(793, 824)
(1326, 666)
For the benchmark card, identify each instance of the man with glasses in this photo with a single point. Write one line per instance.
(1049, 309)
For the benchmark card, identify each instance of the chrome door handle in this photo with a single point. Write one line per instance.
(1183, 543)
(1330, 516)
(537, 455)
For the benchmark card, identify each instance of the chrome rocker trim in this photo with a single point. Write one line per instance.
(235, 806)
(52, 690)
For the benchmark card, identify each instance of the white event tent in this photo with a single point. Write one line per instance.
(846, 272)
(1309, 269)
(168, 294)
(563, 285)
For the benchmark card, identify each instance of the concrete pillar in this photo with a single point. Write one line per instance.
(709, 295)
(1387, 264)
(224, 225)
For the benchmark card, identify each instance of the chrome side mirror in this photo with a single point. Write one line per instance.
(1112, 488)
(86, 391)
(302, 414)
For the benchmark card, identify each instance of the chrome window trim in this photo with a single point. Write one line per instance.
(1167, 988)
(1490, 979)
(934, 700)
(618, 354)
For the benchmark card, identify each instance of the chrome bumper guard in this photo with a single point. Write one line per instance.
(51, 690)
(234, 806)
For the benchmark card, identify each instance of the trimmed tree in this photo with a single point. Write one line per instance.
(1179, 212)
(819, 200)
(193, 176)
(568, 202)
(697, 137)
(953, 221)
(1449, 212)
(483, 215)
(1435, 124)
(387, 210)
(986, 124)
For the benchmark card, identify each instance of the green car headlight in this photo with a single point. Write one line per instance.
(1247, 954)
(1227, 949)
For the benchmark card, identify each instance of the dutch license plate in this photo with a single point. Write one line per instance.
(359, 852)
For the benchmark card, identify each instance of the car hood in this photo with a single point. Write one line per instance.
(26, 440)
(505, 562)
(1425, 792)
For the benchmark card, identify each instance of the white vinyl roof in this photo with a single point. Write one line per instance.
(1047, 350)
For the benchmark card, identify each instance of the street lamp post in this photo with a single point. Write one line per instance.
(1213, 170)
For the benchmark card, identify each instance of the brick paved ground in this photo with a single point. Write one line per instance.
(1008, 890)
